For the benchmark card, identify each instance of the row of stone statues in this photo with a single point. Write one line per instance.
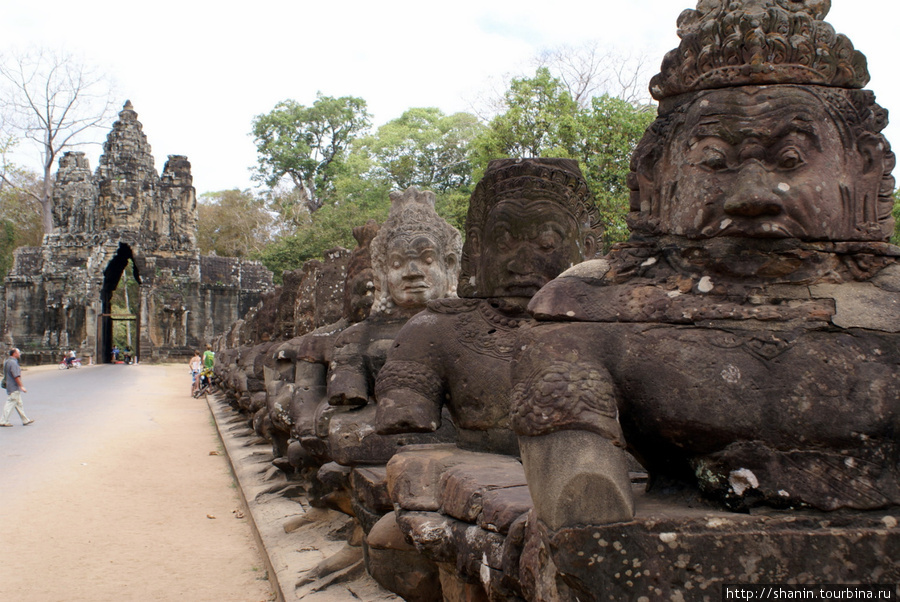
(488, 412)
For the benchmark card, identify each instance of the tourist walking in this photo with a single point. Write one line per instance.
(195, 363)
(12, 377)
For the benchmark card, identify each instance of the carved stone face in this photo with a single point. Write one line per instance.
(360, 290)
(759, 162)
(416, 272)
(524, 245)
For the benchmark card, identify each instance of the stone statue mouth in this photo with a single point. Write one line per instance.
(522, 289)
(744, 227)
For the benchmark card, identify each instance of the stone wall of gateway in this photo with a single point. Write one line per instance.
(57, 297)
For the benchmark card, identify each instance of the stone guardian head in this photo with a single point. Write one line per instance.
(528, 221)
(415, 255)
(767, 135)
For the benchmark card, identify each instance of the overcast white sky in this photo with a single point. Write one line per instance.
(197, 75)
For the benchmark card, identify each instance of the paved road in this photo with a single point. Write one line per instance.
(67, 406)
(113, 494)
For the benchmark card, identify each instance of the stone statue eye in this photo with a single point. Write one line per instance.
(429, 260)
(504, 239)
(396, 263)
(790, 159)
(714, 159)
(548, 241)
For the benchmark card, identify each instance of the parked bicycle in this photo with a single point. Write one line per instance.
(204, 384)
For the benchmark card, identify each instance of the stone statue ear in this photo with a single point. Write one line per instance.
(474, 241)
(590, 246)
(872, 151)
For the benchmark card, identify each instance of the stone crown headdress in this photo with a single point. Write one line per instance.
(727, 43)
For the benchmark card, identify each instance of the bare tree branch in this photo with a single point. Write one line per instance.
(53, 100)
(593, 69)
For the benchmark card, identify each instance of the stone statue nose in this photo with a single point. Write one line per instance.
(521, 262)
(752, 195)
(413, 270)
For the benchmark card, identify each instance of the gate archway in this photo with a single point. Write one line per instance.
(107, 319)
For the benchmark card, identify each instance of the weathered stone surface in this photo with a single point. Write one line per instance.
(478, 495)
(502, 507)
(431, 533)
(862, 305)
(330, 286)
(414, 475)
(352, 439)
(358, 355)
(671, 552)
(404, 572)
(457, 589)
(582, 476)
(464, 485)
(698, 401)
(370, 486)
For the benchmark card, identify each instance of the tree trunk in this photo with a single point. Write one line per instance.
(47, 198)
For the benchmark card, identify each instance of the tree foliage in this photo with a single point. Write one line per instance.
(580, 104)
(895, 239)
(53, 100)
(539, 120)
(543, 120)
(609, 129)
(21, 222)
(233, 223)
(308, 145)
(424, 148)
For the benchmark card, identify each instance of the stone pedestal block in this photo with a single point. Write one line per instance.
(671, 552)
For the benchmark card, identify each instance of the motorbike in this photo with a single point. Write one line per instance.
(73, 363)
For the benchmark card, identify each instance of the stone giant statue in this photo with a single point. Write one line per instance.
(744, 342)
(528, 221)
(415, 259)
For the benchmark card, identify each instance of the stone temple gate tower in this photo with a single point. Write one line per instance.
(58, 296)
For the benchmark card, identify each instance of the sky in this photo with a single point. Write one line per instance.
(198, 73)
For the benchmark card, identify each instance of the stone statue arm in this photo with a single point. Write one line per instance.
(308, 392)
(409, 390)
(565, 412)
(348, 377)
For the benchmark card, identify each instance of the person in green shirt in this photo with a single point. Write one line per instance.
(209, 357)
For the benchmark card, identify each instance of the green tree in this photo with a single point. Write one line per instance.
(233, 223)
(331, 226)
(308, 145)
(542, 119)
(895, 239)
(608, 131)
(125, 300)
(424, 148)
(21, 214)
(539, 120)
